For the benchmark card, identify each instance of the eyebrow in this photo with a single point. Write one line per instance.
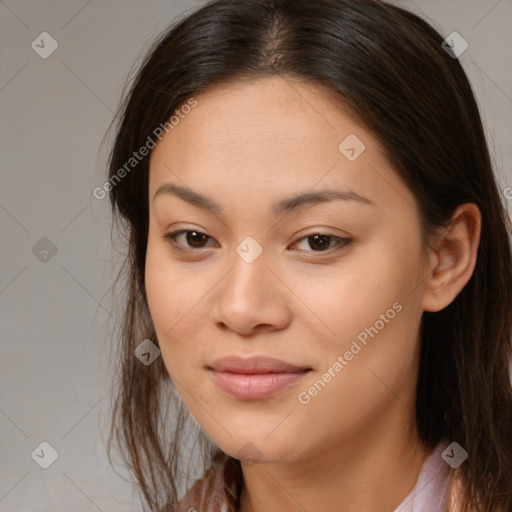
(282, 207)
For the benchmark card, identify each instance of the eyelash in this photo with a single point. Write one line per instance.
(171, 239)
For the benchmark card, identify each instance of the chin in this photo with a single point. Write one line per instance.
(252, 449)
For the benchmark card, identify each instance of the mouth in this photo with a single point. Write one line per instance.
(255, 378)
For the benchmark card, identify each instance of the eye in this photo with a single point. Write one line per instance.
(320, 242)
(195, 238)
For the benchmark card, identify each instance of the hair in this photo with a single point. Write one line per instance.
(388, 67)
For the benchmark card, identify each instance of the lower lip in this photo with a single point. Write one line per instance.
(255, 386)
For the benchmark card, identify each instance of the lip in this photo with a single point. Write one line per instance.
(255, 378)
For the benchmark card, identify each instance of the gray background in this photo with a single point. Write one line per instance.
(55, 314)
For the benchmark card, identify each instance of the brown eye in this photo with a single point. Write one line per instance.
(194, 239)
(321, 242)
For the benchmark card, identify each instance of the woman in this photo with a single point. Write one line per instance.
(318, 270)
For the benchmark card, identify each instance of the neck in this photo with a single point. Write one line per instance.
(374, 469)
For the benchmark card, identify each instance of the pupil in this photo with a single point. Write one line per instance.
(191, 241)
(320, 246)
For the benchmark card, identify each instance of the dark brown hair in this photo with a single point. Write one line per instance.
(387, 66)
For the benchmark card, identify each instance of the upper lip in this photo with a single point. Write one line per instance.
(254, 364)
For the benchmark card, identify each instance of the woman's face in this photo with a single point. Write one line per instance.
(251, 279)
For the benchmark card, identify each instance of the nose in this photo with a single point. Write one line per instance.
(251, 298)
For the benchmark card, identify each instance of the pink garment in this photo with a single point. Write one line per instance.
(219, 488)
(430, 492)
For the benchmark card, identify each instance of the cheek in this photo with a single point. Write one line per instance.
(366, 315)
(160, 289)
(176, 294)
(358, 381)
(350, 297)
(165, 290)
(172, 287)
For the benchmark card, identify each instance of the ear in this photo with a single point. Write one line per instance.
(454, 258)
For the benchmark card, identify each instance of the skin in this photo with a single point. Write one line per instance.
(354, 446)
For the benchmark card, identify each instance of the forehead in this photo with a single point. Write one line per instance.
(272, 134)
(270, 117)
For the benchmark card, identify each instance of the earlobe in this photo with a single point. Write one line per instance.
(454, 258)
